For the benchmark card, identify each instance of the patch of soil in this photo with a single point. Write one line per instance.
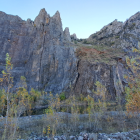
(88, 52)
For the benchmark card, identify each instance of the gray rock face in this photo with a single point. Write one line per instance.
(67, 35)
(112, 29)
(109, 75)
(38, 52)
(42, 18)
(74, 37)
(117, 34)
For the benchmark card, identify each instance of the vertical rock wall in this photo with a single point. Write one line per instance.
(39, 53)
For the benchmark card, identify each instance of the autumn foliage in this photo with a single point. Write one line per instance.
(13, 105)
(133, 88)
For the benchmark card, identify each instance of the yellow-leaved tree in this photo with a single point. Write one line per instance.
(14, 104)
(6, 84)
(101, 105)
(133, 88)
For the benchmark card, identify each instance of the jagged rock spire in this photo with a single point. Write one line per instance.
(73, 36)
(42, 18)
(57, 16)
(67, 34)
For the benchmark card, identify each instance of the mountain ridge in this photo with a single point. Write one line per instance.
(50, 58)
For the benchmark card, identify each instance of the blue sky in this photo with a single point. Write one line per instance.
(83, 17)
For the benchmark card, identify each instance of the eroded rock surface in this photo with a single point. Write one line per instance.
(39, 52)
(74, 37)
(118, 34)
(67, 35)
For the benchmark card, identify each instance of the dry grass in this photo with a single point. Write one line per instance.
(72, 124)
(96, 54)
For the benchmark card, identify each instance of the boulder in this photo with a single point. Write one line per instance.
(74, 37)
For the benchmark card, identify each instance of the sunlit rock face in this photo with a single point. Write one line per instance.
(67, 35)
(39, 51)
(118, 34)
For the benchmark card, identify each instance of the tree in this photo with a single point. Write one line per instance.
(101, 93)
(102, 105)
(133, 88)
(15, 104)
(7, 83)
(90, 109)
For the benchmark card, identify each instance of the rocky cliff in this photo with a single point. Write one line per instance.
(118, 34)
(37, 51)
(125, 36)
(43, 53)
